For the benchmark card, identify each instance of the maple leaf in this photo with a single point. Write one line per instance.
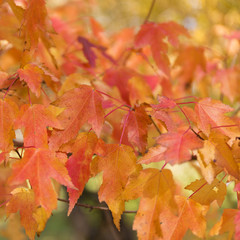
(78, 165)
(207, 193)
(223, 153)
(137, 124)
(153, 34)
(81, 105)
(32, 75)
(206, 160)
(118, 164)
(35, 119)
(190, 58)
(156, 189)
(39, 165)
(89, 53)
(191, 216)
(226, 223)
(160, 111)
(210, 113)
(8, 112)
(23, 200)
(154, 154)
(119, 77)
(178, 145)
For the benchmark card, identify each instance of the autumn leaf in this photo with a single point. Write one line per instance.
(191, 216)
(205, 193)
(35, 119)
(153, 34)
(23, 200)
(137, 127)
(223, 153)
(206, 160)
(211, 113)
(155, 154)
(226, 223)
(78, 164)
(39, 165)
(179, 145)
(156, 189)
(82, 105)
(190, 59)
(118, 164)
(8, 112)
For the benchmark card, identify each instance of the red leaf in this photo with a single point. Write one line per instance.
(81, 105)
(39, 165)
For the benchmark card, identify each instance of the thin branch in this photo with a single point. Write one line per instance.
(92, 207)
(149, 11)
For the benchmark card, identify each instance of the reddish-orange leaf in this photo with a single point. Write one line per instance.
(82, 105)
(206, 193)
(226, 223)
(35, 119)
(137, 127)
(210, 113)
(119, 77)
(190, 59)
(156, 189)
(39, 166)
(237, 225)
(155, 154)
(32, 75)
(191, 216)
(8, 111)
(179, 145)
(23, 200)
(78, 165)
(117, 165)
(153, 34)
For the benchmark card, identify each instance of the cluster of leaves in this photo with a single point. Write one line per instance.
(87, 102)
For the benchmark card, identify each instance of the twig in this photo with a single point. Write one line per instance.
(149, 11)
(92, 207)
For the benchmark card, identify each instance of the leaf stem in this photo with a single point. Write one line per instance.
(14, 80)
(197, 190)
(124, 125)
(113, 98)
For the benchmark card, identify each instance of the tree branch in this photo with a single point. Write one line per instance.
(149, 11)
(92, 207)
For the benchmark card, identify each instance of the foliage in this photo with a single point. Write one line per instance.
(87, 101)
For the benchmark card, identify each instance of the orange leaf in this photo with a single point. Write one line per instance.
(8, 111)
(23, 200)
(226, 223)
(39, 165)
(210, 113)
(191, 216)
(81, 105)
(157, 191)
(35, 119)
(78, 165)
(117, 165)
(223, 153)
(207, 193)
